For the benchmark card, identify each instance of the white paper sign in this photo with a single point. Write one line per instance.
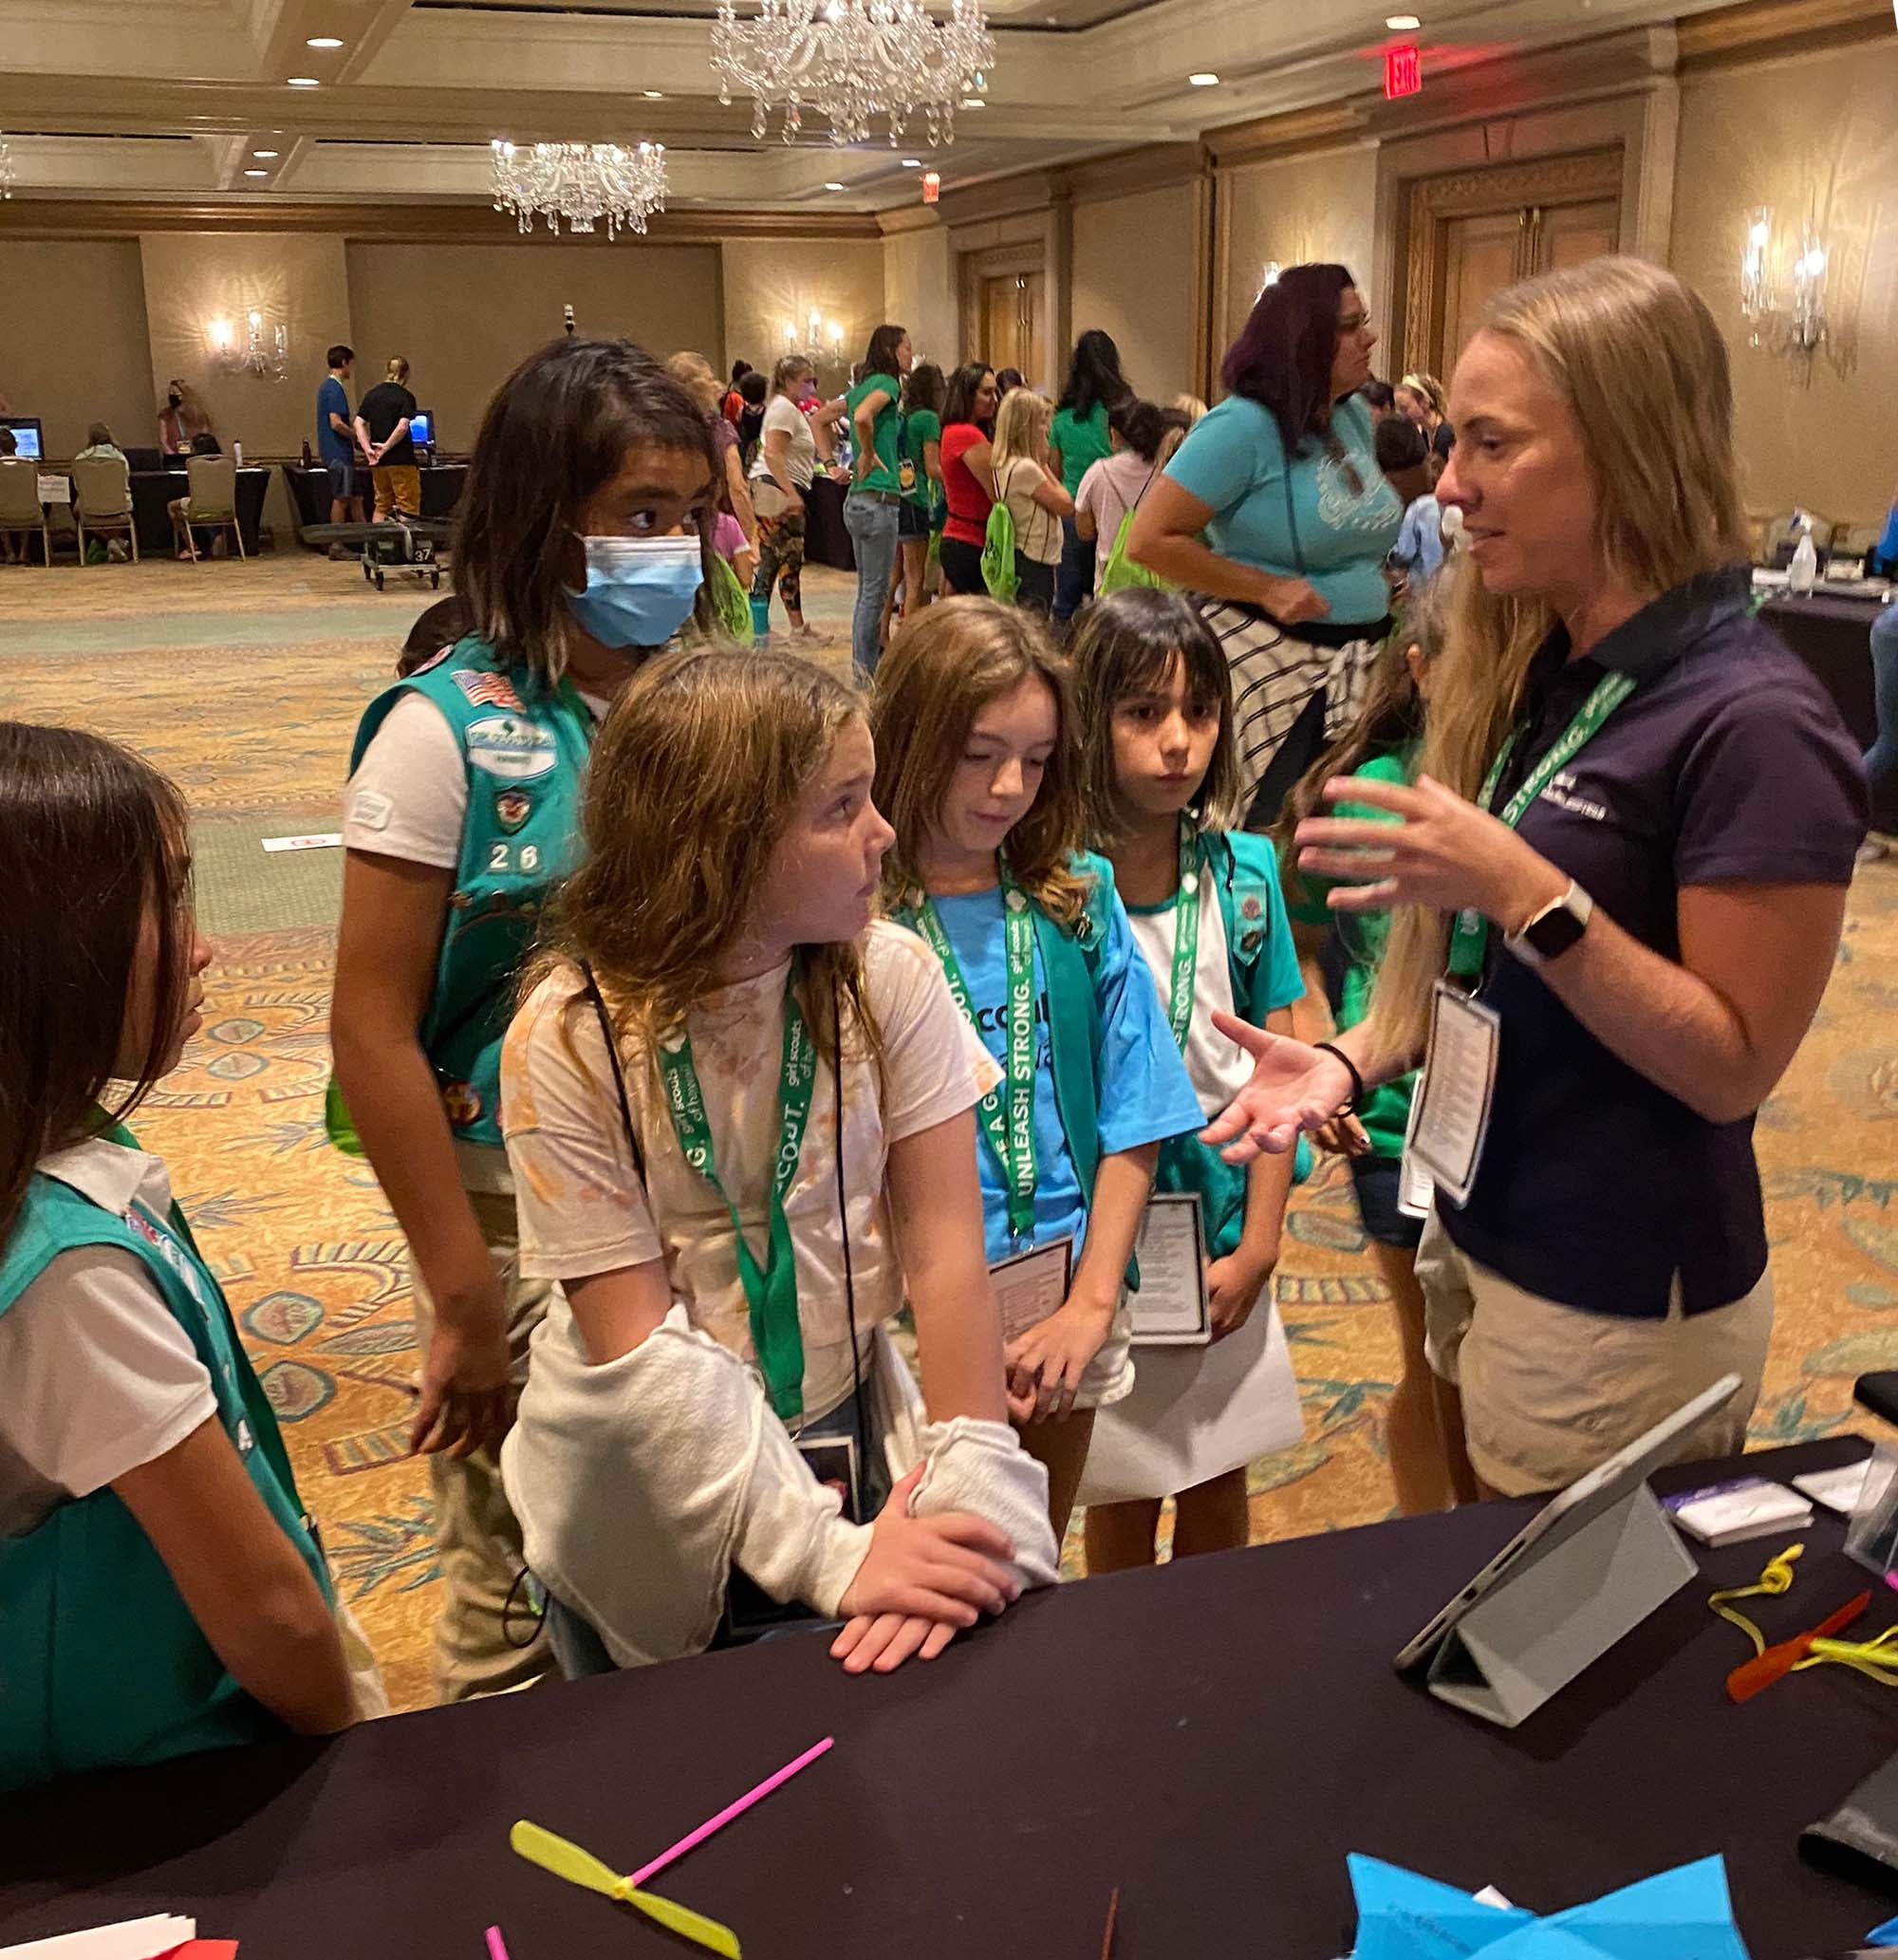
(315, 840)
(130, 1939)
(55, 490)
(1452, 1115)
(1032, 1287)
(1171, 1309)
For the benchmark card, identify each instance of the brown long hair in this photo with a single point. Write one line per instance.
(555, 434)
(939, 673)
(1641, 364)
(690, 785)
(92, 841)
(1126, 645)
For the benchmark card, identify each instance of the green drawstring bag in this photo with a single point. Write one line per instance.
(998, 553)
(734, 603)
(1121, 571)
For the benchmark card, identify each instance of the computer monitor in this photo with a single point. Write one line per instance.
(27, 435)
(421, 427)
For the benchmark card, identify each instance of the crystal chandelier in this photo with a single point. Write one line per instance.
(582, 184)
(852, 62)
(6, 169)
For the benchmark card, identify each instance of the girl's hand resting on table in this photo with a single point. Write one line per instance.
(1046, 1364)
(1293, 1088)
(922, 1581)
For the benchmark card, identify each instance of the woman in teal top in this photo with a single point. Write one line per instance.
(161, 1591)
(872, 507)
(1274, 514)
(1078, 438)
(1424, 1427)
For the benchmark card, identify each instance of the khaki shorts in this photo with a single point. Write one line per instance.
(1550, 1391)
(397, 488)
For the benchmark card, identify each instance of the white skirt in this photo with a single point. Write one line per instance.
(1195, 1413)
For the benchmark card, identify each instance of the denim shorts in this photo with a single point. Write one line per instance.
(1377, 1180)
(912, 520)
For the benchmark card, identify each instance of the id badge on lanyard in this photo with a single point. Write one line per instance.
(1450, 1117)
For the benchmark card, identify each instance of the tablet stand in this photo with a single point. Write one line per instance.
(1559, 1609)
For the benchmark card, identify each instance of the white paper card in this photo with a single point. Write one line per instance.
(1032, 1285)
(1838, 1490)
(1171, 1309)
(1416, 1194)
(55, 490)
(315, 840)
(130, 1939)
(1453, 1099)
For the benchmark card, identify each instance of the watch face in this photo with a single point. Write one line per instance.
(1553, 933)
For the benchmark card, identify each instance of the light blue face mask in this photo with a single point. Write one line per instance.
(638, 591)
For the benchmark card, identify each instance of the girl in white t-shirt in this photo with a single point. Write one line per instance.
(161, 1590)
(776, 1147)
(1034, 494)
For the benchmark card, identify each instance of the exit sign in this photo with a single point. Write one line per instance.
(1401, 74)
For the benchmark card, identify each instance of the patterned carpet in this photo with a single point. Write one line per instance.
(245, 681)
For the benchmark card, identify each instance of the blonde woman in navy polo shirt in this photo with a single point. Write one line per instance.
(1653, 938)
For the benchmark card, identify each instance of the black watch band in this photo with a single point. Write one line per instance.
(1357, 1094)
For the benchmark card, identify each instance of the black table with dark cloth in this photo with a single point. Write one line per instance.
(441, 487)
(826, 540)
(1212, 1738)
(1832, 633)
(154, 490)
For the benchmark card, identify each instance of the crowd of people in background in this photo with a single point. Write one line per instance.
(917, 990)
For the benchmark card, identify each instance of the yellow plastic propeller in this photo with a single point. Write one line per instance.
(567, 1860)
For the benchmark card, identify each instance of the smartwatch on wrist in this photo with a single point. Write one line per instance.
(1553, 929)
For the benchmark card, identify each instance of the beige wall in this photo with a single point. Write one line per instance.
(1134, 261)
(194, 277)
(1817, 132)
(770, 281)
(75, 347)
(1296, 211)
(465, 315)
(920, 291)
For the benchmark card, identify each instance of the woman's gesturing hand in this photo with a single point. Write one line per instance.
(1293, 1088)
(1442, 851)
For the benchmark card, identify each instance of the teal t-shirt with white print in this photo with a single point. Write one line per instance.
(1328, 519)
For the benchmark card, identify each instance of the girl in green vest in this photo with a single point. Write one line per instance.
(976, 765)
(160, 1589)
(740, 1118)
(462, 818)
(1161, 780)
(1423, 1423)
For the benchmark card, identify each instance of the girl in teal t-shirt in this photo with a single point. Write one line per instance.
(872, 507)
(1161, 776)
(163, 1592)
(1423, 1423)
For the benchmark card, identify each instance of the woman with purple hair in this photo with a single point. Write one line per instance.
(1276, 519)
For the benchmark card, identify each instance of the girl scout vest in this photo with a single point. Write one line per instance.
(525, 753)
(101, 1661)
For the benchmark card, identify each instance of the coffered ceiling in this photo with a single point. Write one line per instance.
(192, 99)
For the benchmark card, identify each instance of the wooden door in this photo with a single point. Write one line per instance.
(1568, 234)
(1467, 235)
(1482, 255)
(1013, 320)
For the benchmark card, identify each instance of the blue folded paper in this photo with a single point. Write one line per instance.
(1682, 1914)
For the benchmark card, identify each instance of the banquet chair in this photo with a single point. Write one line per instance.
(101, 488)
(210, 498)
(20, 508)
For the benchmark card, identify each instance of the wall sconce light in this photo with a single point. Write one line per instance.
(266, 354)
(1793, 323)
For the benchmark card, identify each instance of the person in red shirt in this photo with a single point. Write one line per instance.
(968, 473)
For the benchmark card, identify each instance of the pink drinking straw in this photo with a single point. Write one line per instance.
(497, 1946)
(729, 1811)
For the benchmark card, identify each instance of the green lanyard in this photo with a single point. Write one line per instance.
(1008, 1109)
(1471, 935)
(1185, 936)
(770, 1294)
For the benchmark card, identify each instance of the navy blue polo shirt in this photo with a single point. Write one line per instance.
(1728, 762)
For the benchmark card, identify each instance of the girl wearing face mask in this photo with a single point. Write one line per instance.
(461, 819)
(740, 1117)
(181, 417)
(977, 758)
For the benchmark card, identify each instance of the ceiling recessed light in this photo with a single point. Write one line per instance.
(1204, 79)
(974, 102)
(264, 155)
(1403, 23)
(912, 163)
(304, 82)
(325, 41)
(653, 95)
(256, 173)
(834, 187)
